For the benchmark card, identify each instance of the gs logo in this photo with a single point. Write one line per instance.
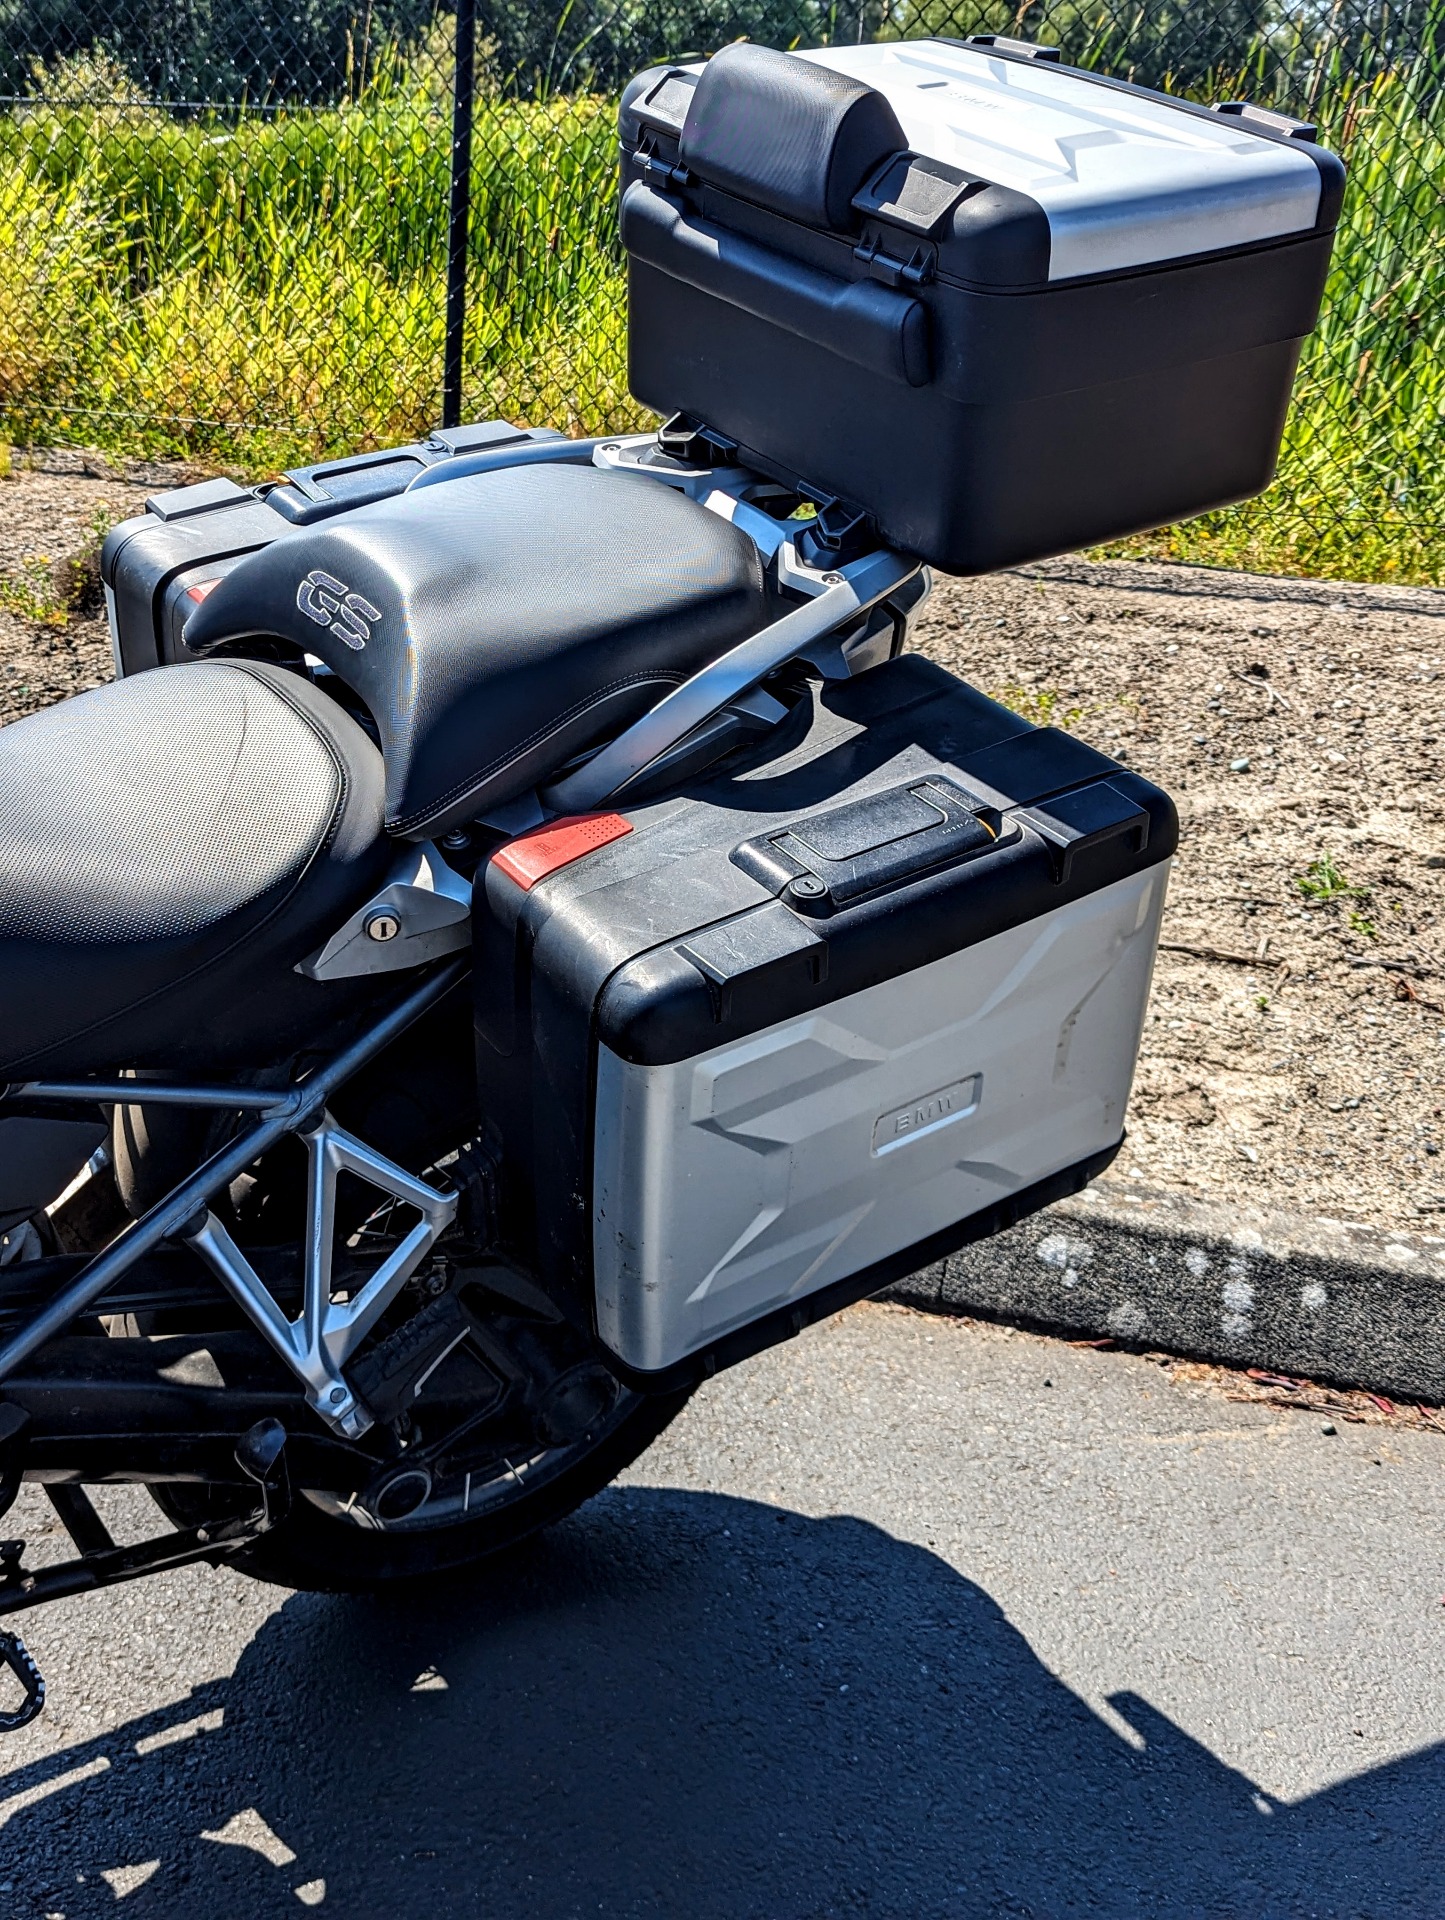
(331, 603)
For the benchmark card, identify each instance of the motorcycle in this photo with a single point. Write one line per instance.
(520, 932)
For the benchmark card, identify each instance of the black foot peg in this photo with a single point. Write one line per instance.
(15, 1656)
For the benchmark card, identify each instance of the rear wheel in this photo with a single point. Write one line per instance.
(514, 1423)
(326, 1547)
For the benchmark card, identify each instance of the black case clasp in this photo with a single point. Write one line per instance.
(1071, 823)
(916, 271)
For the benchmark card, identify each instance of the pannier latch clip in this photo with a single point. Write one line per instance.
(651, 159)
(916, 271)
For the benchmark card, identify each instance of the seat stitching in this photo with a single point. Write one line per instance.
(493, 767)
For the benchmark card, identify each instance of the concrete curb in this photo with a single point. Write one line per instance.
(1252, 1287)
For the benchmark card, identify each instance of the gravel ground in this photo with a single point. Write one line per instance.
(1293, 722)
(908, 1618)
(46, 519)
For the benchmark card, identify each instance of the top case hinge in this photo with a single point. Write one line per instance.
(916, 271)
(661, 168)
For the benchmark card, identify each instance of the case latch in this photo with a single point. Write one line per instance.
(751, 954)
(652, 159)
(916, 271)
(1071, 823)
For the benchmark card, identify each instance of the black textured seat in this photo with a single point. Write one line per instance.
(170, 847)
(499, 624)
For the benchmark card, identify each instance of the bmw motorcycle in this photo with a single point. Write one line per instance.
(520, 931)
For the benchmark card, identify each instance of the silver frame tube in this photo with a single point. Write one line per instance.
(151, 1093)
(289, 1113)
(317, 1344)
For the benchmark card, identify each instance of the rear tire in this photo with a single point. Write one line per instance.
(316, 1551)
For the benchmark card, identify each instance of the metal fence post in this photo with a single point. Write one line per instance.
(463, 91)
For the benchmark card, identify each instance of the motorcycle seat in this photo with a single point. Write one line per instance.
(499, 624)
(170, 847)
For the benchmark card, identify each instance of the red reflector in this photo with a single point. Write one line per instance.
(199, 591)
(532, 856)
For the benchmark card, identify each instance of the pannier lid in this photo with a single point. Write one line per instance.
(1125, 177)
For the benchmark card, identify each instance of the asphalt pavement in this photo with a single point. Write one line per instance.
(910, 1617)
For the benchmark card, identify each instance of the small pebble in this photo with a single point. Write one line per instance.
(1329, 1427)
(1239, 766)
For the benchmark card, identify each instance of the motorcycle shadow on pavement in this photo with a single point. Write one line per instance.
(689, 1705)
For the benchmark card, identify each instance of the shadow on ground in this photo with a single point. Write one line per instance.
(686, 1705)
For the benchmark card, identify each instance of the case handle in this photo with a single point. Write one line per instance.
(876, 328)
(1005, 43)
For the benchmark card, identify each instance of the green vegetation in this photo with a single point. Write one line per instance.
(48, 592)
(1361, 488)
(274, 288)
(30, 591)
(1040, 706)
(266, 287)
(1323, 883)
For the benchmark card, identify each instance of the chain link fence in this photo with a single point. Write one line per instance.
(247, 232)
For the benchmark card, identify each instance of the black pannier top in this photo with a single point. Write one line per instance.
(1003, 306)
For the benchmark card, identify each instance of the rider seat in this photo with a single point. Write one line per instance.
(170, 847)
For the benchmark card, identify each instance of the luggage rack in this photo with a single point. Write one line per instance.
(830, 629)
(838, 598)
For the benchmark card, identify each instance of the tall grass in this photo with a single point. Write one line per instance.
(1361, 487)
(275, 288)
(253, 292)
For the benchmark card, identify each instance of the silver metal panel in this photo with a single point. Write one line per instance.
(1124, 179)
(729, 1184)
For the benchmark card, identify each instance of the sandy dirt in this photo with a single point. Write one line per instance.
(1294, 722)
(48, 519)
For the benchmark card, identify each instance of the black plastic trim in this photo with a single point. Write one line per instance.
(883, 331)
(1080, 413)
